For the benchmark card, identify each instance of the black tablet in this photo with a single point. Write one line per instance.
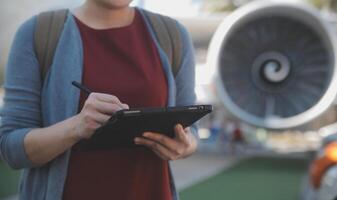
(125, 125)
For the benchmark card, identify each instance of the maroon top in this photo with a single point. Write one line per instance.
(123, 62)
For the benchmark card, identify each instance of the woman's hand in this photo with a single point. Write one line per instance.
(183, 145)
(96, 111)
(44, 144)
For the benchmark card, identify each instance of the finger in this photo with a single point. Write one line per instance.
(189, 134)
(101, 118)
(180, 133)
(105, 97)
(107, 108)
(162, 139)
(126, 106)
(160, 149)
(163, 157)
(109, 99)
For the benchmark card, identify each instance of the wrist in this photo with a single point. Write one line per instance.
(73, 132)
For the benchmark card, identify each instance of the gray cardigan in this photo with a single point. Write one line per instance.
(29, 105)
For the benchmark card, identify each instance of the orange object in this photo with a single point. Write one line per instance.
(321, 164)
(331, 152)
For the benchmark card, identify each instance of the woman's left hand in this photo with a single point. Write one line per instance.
(182, 145)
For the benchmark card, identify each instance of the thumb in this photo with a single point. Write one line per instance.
(180, 133)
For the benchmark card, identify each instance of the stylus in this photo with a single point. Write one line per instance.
(81, 87)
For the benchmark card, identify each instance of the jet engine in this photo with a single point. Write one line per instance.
(275, 64)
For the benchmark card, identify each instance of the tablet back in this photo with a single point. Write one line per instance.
(125, 125)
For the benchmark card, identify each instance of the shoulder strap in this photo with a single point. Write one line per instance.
(169, 38)
(48, 29)
(49, 26)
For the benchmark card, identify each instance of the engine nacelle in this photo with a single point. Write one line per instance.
(275, 64)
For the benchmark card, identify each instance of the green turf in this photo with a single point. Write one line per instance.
(255, 178)
(8, 181)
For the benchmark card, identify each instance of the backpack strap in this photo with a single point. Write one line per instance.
(49, 26)
(169, 38)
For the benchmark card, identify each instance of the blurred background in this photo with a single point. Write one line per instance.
(269, 69)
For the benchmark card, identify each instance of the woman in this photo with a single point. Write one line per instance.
(109, 47)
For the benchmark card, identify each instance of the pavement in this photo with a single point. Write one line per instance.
(193, 169)
(199, 167)
(15, 197)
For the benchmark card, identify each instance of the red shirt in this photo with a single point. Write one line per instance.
(123, 62)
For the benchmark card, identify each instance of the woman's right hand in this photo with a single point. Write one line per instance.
(44, 144)
(96, 111)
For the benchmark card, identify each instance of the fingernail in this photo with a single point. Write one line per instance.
(136, 140)
(145, 134)
(125, 106)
